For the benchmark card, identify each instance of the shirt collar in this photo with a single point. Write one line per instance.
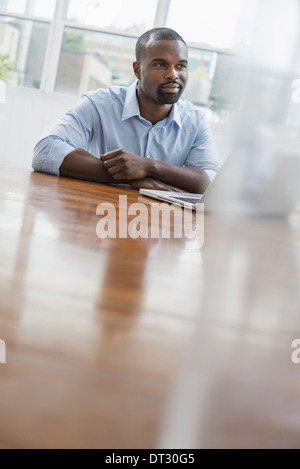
(175, 115)
(131, 105)
(132, 109)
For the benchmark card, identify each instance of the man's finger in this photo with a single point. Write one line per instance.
(110, 154)
(114, 170)
(111, 163)
(119, 176)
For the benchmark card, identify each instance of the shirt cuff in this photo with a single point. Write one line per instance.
(211, 174)
(56, 157)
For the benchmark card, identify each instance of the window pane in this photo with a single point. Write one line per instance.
(91, 60)
(43, 9)
(216, 83)
(23, 43)
(202, 65)
(223, 24)
(131, 16)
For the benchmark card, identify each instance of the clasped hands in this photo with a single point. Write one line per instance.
(124, 165)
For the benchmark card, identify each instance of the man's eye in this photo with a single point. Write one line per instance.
(181, 66)
(159, 65)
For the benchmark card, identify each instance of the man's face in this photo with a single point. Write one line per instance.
(163, 71)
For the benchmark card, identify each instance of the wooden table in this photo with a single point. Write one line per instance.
(143, 343)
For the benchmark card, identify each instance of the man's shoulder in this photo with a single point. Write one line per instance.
(112, 93)
(190, 115)
(186, 107)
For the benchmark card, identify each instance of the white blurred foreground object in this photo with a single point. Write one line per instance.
(236, 386)
(266, 185)
(261, 174)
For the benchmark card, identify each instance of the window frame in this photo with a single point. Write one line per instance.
(57, 26)
(59, 22)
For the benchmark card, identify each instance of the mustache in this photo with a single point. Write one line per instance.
(174, 82)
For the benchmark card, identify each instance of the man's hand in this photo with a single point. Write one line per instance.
(122, 164)
(150, 183)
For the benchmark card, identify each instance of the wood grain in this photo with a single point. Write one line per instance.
(100, 332)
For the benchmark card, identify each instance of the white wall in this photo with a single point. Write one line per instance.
(23, 118)
(27, 113)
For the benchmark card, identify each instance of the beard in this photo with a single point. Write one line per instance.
(169, 98)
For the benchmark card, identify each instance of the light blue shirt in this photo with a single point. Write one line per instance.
(106, 120)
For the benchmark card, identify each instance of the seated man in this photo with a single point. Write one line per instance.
(143, 135)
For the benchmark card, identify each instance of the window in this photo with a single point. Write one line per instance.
(23, 42)
(24, 33)
(72, 46)
(216, 83)
(219, 34)
(91, 60)
(99, 42)
(129, 16)
(216, 23)
(35, 8)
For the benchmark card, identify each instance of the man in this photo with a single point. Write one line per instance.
(143, 135)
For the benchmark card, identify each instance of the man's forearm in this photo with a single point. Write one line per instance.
(190, 179)
(122, 164)
(82, 165)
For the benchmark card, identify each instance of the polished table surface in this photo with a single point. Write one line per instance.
(143, 343)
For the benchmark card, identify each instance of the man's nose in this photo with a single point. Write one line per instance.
(171, 73)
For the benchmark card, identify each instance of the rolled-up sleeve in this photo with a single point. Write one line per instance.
(203, 153)
(73, 130)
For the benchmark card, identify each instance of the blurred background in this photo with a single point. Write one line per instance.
(51, 52)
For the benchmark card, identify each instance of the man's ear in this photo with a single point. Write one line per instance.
(136, 69)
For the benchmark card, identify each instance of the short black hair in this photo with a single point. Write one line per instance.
(156, 34)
